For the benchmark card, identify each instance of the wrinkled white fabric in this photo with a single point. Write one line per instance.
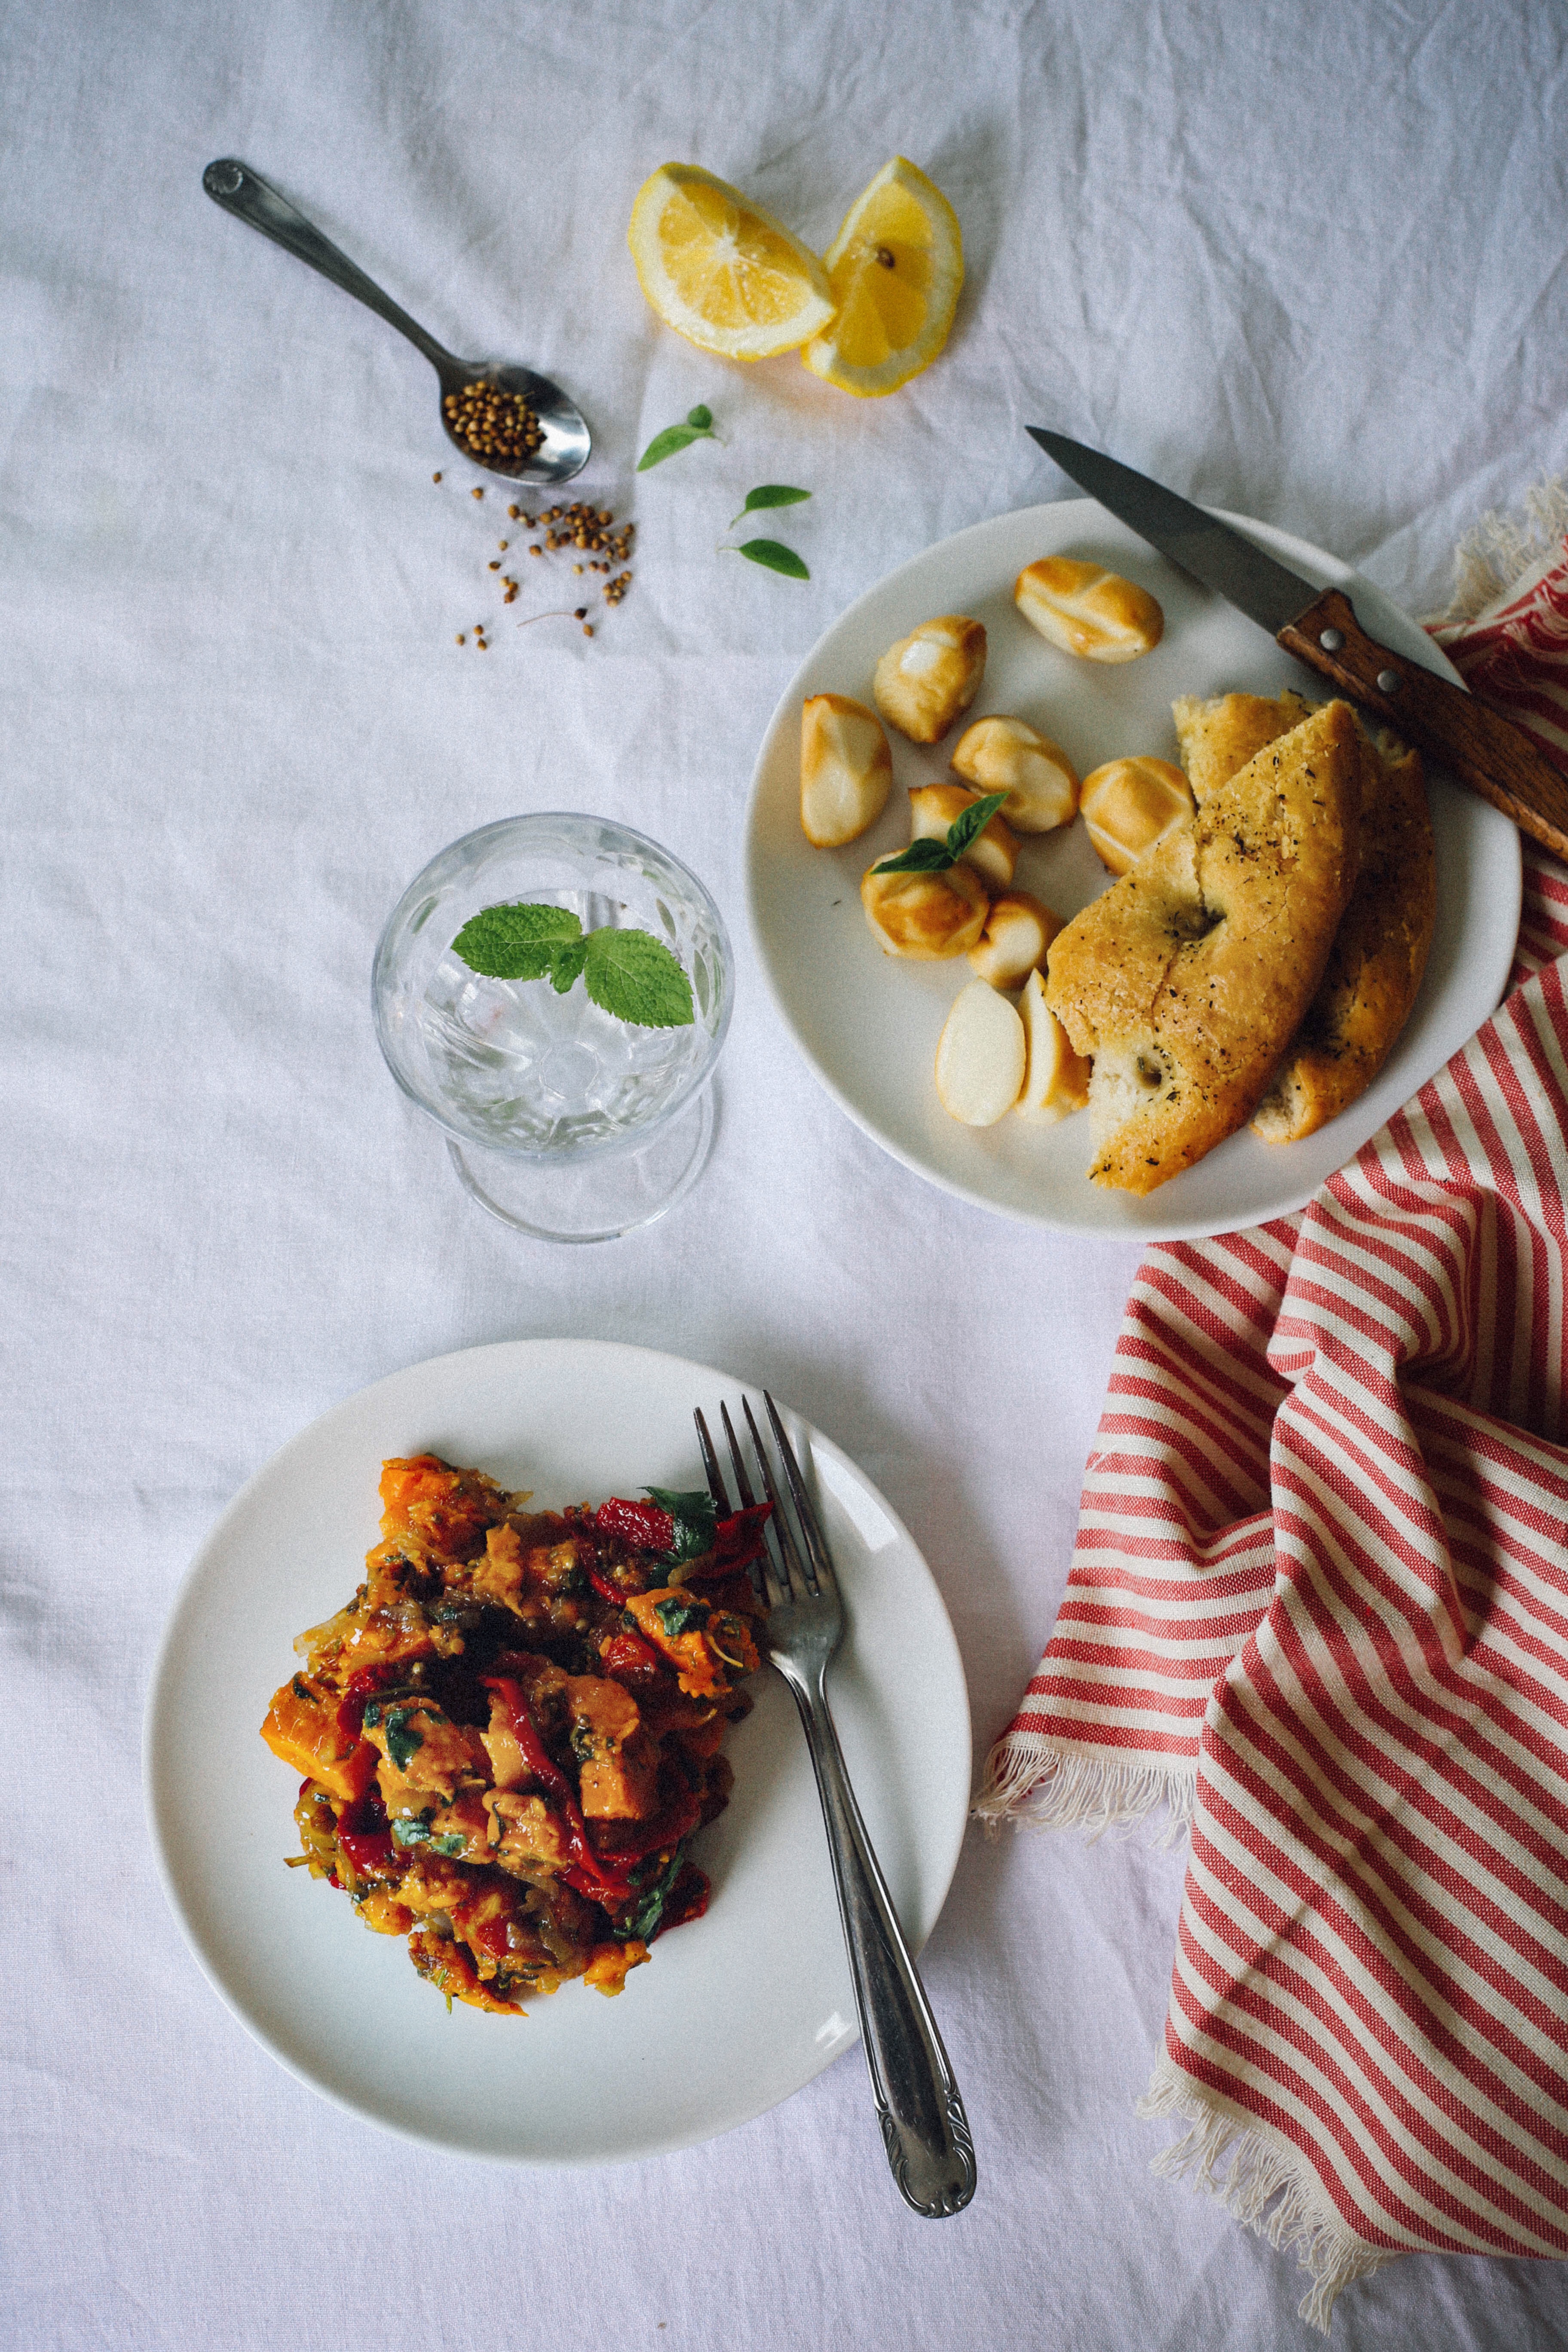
(1304, 262)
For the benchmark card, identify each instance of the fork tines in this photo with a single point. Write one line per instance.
(799, 1566)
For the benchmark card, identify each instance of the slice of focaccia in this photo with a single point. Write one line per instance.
(1379, 954)
(1187, 979)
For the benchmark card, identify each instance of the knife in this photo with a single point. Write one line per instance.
(1484, 751)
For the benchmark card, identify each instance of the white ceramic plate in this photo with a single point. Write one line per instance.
(868, 1024)
(737, 2009)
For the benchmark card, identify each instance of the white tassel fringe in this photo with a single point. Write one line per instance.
(1265, 2182)
(1032, 1785)
(1496, 559)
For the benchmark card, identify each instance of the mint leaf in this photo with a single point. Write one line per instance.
(770, 494)
(774, 554)
(926, 857)
(698, 427)
(567, 965)
(515, 943)
(972, 821)
(694, 1515)
(635, 976)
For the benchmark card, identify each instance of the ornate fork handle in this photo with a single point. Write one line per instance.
(923, 2122)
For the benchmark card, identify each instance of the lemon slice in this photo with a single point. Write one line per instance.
(720, 270)
(896, 268)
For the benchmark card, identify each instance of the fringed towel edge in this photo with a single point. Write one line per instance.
(1503, 555)
(1265, 2182)
(1051, 1785)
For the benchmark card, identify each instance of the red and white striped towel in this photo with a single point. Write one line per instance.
(1319, 1606)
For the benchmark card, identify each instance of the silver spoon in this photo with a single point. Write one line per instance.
(567, 443)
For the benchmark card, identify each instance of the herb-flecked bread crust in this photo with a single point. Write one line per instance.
(1185, 980)
(1379, 955)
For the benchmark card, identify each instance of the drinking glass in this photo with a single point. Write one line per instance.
(561, 1120)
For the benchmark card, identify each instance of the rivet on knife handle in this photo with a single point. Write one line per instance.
(1493, 757)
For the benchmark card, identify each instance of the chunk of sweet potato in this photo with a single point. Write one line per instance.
(302, 1728)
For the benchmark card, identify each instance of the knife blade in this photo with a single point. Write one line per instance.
(1319, 626)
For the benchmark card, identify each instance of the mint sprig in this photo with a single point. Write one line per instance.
(935, 854)
(627, 974)
(698, 427)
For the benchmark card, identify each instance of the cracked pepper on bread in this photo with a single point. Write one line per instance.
(1187, 979)
(1379, 954)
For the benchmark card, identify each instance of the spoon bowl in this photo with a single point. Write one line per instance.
(566, 443)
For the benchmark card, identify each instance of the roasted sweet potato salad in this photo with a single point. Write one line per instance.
(511, 1733)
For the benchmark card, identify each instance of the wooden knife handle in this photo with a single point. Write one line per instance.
(1494, 758)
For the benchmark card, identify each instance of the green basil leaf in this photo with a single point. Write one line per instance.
(412, 1832)
(972, 821)
(770, 494)
(515, 943)
(927, 857)
(633, 975)
(773, 556)
(694, 1517)
(451, 1844)
(700, 419)
(567, 965)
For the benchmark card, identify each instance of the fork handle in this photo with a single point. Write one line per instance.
(923, 2123)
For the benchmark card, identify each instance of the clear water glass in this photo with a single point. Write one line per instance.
(561, 1120)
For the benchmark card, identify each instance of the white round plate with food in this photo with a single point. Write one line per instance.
(868, 1023)
(736, 2010)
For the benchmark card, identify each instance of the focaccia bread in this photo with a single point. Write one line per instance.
(1185, 980)
(1375, 965)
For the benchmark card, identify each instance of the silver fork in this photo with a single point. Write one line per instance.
(923, 2122)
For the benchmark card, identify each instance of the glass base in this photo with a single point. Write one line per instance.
(594, 1200)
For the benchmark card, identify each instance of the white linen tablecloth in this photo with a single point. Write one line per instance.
(1304, 262)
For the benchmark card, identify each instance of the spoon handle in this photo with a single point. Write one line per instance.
(249, 197)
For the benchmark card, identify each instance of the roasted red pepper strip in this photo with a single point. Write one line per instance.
(358, 1691)
(738, 1541)
(585, 1873)
(636, 1663)
(605, 1589)
(364, 1837)
(643, 1526)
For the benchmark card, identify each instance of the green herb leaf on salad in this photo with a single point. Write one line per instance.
(694, 1517)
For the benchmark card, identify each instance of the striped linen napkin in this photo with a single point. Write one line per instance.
(1318, 1609)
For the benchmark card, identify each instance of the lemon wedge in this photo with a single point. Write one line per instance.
(895, 268)
(720, 270)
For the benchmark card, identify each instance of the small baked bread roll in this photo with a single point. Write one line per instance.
(1055, 1080)
(1187, 979)
(1374, 968)
(928, 678)
(1003, 755)
(980, 1056)
(927, 916)
(1018, 931)
(846, 770)
(1129, 805)
(1089, 611)
(993, 853)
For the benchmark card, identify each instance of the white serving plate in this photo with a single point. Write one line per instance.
(737, 2009)
(868, 1024)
